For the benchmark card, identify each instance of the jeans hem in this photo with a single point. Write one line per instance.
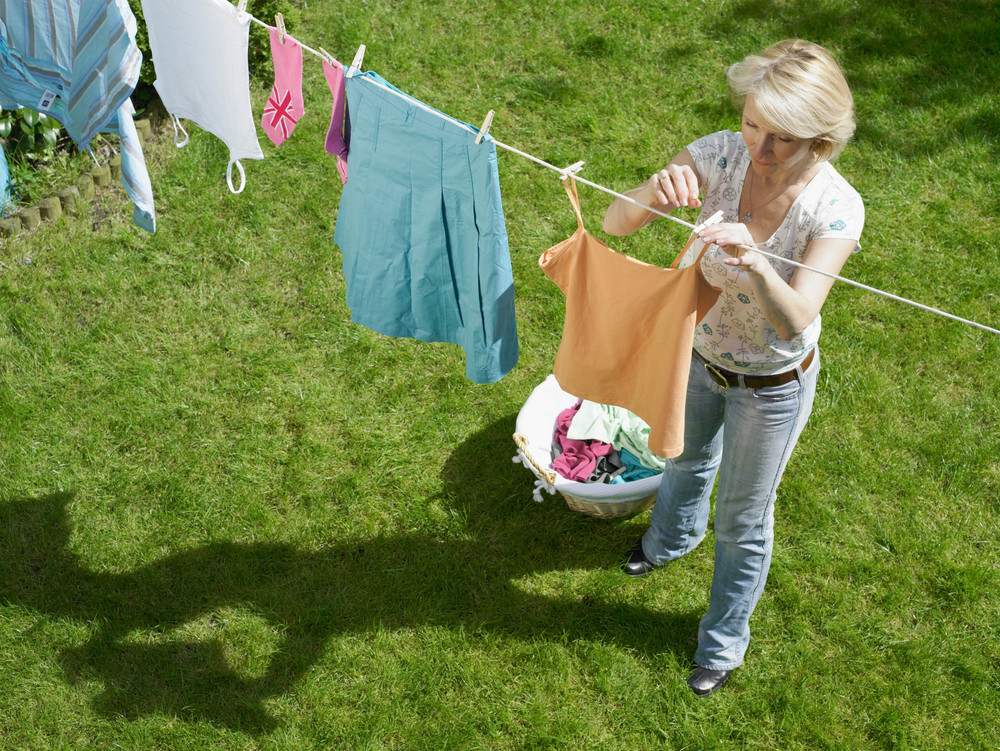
(725, 666)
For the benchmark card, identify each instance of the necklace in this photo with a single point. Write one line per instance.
(795, 185)
(747, 216)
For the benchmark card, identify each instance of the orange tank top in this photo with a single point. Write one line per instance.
(628, 331)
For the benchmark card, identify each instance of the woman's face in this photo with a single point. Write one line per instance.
(773, 154)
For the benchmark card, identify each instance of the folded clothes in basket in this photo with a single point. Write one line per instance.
(633, 468)
(533, 437)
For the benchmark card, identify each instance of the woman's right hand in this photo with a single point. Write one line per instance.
(675, 185)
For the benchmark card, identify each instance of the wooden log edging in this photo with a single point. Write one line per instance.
(73, 199)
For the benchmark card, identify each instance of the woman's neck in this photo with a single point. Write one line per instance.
(795, 175)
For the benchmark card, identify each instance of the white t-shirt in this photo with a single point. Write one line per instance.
(734, 334)
(200, 52)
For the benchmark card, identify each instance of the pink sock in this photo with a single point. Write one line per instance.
(335, 141)
(284, 106)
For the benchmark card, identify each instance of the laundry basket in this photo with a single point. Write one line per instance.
(533, 436)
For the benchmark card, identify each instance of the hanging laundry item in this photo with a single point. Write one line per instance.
(78, 62)
(284, 105)
(628, 330)
(5, 202)
(73, 60)
(200, 54)
(422, 231)
(337, 137)
(134, 176)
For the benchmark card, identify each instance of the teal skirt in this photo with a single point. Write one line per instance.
(422, 230)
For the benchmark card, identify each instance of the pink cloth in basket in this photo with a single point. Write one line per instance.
(577, 459)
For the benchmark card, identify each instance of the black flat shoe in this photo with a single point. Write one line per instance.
(637, 564)
(705, 682)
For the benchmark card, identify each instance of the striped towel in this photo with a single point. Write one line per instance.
(78, 62)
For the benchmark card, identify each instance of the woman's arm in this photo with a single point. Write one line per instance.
(788, 307)
(675, 185)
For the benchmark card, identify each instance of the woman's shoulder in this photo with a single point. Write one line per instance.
(831, 187)
(720, 153)
(836, 207)
(720, 142)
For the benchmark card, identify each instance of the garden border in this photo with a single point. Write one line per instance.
(75, 198)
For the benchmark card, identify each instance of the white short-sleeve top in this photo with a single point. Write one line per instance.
(734, 334)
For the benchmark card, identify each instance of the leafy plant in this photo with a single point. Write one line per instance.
(29, 133)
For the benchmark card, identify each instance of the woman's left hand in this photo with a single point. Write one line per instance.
(729, 237)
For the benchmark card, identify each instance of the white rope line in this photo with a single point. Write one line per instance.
(417, 103)
(865, 287)
(565, 173)
(306, 48)
(411, 100)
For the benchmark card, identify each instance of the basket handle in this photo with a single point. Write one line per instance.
(547, 474)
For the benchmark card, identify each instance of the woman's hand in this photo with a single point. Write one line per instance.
(729, 237)
(675, 185)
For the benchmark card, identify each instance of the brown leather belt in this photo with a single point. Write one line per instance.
(726, 378)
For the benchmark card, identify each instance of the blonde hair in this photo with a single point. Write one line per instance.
(799, 90)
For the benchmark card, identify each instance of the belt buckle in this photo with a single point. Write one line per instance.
(720, 379)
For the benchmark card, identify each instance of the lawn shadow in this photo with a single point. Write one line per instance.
(148, 664)
(514, 537)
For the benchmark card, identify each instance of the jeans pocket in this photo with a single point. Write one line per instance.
(780, 393)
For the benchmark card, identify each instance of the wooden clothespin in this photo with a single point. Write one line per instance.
(241, 8)
(486, 126)
(279, 21)
(328, 57)
(571, 170)
(714, 219)
(356, 64)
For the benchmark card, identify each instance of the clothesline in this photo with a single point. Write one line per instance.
(565, 172)
(266, 25)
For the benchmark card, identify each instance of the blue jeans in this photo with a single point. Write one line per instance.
(744, 436)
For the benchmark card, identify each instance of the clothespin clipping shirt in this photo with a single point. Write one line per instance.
(359, 57)
(241, 8)
(279, 21)
(571, 170)
(486, 126)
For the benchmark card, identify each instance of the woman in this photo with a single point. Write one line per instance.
(755, 359)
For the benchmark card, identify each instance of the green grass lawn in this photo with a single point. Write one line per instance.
(232, 519)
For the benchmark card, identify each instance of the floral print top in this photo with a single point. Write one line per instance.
(734, 334)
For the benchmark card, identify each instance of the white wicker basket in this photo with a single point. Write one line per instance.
(533, 436)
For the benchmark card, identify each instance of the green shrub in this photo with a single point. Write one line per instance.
(27, 133)
(30, 140)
